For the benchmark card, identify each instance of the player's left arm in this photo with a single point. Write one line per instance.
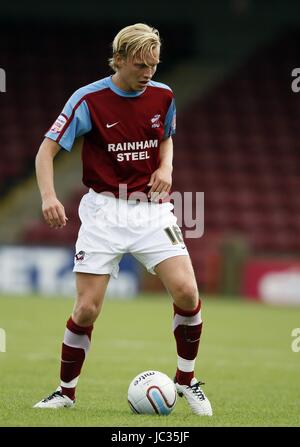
(161, 178)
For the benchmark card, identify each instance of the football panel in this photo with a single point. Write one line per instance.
(159, 401)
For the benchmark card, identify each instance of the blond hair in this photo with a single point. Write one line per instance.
(139, 38)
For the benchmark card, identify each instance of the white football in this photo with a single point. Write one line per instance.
(152, 392)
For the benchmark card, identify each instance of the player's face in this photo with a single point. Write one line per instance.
(136, 73)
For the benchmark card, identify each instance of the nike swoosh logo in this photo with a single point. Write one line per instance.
(111, 125)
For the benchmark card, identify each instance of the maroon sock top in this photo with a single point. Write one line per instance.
(187, 313)
(79, 330)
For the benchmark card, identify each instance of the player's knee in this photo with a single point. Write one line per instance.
(86, 313)
(186, 296)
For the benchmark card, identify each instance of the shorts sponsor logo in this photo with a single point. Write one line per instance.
(59, 124)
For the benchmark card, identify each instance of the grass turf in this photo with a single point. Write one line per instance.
(245, 357)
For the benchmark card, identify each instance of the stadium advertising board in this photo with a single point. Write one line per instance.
(48, 271)
(273, 281)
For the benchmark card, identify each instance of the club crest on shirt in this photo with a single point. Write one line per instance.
(80, 256)
(155, 121)
(58, 124)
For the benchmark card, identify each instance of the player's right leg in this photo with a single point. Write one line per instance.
(90, 294)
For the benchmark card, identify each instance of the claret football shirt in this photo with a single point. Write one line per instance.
(122, 132)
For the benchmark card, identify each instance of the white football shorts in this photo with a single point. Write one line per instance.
(111, 227)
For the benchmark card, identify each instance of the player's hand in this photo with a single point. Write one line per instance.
(160, 182)
(54, 213)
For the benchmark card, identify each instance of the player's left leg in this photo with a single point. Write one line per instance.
(177, 275)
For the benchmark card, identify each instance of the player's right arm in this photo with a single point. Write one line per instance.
(74, 121)
(53, 210)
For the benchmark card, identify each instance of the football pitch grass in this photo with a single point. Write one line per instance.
(245, 358)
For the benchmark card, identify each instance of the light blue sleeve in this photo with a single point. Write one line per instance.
(73, 121)
(170, 121)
